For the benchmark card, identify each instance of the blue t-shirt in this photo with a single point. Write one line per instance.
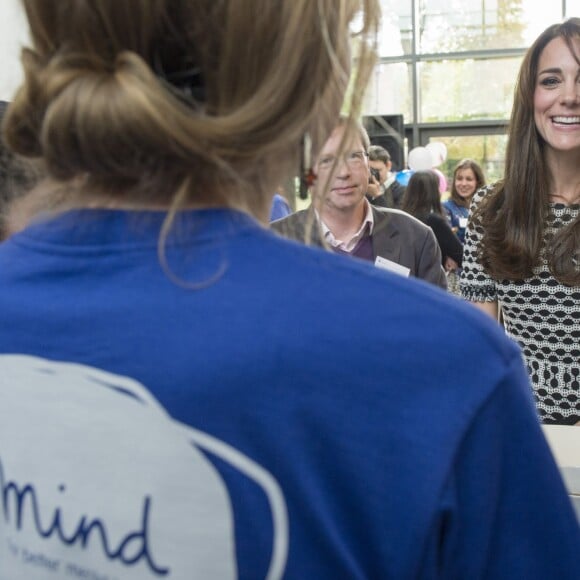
(280, 208)
(245, 406)
(457, 216)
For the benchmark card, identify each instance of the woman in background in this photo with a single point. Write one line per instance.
(422, 200)
(467, 179)
(522, 249)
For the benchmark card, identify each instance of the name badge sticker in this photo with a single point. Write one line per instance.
(463, 222)
(391, 266)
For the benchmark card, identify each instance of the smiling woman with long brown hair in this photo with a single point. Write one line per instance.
(523, 242)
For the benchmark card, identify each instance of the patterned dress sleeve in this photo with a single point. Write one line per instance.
(476, 285)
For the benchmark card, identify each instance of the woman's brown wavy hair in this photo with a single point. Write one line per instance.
(513, 216)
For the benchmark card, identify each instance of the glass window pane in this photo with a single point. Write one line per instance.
(537, 16)
(572, 8)
(487, 150)
(13, 35)
(396, 37)
(389, 91)
(465, 90)
(460, 25)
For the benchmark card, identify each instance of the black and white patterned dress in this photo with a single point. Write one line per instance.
(541, 314)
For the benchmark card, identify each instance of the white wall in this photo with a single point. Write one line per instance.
(13, 34)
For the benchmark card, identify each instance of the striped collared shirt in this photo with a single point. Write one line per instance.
(366, 228)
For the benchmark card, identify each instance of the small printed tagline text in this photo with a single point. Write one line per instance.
(54, 565)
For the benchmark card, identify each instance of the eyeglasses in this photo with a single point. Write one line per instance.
(353, 159)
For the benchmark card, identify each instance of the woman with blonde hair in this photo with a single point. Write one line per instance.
(162, 413)
(523, 243)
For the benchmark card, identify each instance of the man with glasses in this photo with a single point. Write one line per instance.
(341, 218)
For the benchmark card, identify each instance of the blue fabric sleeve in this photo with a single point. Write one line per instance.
(505, 513)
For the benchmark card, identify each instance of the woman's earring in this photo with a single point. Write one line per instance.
(307, 175)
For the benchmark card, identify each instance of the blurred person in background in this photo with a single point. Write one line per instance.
(388, 192)
(467, 179)
(280, 207)
(423, 201)
(17, 177)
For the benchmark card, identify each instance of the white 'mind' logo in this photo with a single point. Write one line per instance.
(97, 481)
